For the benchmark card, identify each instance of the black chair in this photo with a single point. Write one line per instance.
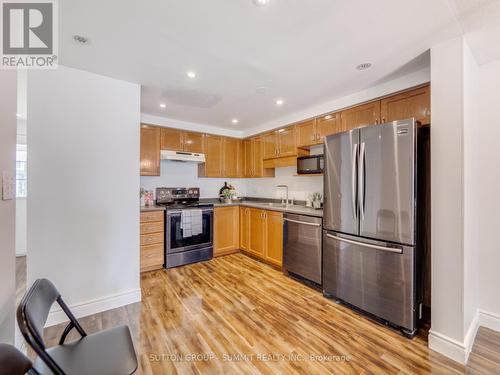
(109, 352)
(13, 362)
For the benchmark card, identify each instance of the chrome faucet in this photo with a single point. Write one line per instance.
(286, 203)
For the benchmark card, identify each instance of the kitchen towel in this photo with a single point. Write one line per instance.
(191, 223)
(196, 222)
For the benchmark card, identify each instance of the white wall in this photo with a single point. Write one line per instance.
(472, 192)
(21, 227)
(487, 183)
(83, 221)
(447, 198)
(7, 208)
(299, 187)
(177, 174)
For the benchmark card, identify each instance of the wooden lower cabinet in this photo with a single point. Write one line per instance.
(274, 237)
(261, 234)
(244, 228)
(226, 230)
(152, 240)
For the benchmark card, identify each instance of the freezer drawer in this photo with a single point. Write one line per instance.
(371, 276)
(302, 246)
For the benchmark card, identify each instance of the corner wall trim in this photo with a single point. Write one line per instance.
(489, 320)
(451, 348)
(57, 316)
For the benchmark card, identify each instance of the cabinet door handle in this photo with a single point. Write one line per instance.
(383, 120)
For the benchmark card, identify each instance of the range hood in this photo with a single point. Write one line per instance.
(182, 156)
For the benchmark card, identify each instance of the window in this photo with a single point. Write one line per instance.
(21, 162)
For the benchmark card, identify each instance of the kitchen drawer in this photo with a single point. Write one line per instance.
(152, 257)
(150, 216)
(152, 238)
(152, 227)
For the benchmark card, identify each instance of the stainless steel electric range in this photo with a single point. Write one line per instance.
(188, 226)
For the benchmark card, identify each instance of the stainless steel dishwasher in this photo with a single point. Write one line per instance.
(302, 246)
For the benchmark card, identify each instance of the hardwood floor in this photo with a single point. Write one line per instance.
(236, 306)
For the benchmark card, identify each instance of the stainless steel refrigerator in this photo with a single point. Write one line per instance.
(370, 220)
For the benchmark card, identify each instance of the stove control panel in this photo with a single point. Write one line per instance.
(165, 195)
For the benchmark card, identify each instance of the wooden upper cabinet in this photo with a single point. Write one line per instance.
(248, 157)
(241, 159)
(213, 154)
(415, 103)
(193, 142)
(150, 150)
(328, 124)
(287, 144)
(270, 149)
(244, 228)
(361, 115)
(230, 157)
(306, 133)
(274, 237)
(172, 139)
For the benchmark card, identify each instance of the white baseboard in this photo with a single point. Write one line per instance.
(489, 320)
(57, 316)
(451, 348)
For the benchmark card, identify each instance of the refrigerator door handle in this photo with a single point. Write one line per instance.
(353, 181)
(382, 248)
(361, 180)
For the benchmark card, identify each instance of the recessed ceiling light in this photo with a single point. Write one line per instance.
(261, 3)
(80, 39)
(235, 121)
(279, 102)
(191, 74)
(163, 105)
(364, 66)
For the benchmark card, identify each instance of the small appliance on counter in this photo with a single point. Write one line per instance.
(188, 226)
(313, 164)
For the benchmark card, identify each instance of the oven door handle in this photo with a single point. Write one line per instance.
(171, 213)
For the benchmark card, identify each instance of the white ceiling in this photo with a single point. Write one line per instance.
(246, 56)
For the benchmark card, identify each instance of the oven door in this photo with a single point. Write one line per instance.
(174, 238)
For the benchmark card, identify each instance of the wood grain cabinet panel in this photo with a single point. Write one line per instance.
(415, 103)
(150, 150)
(152, 240)
(274, 237)
(327, 125)
(270, 145)
(257, 233)
(244, 228)
(193, 142)
(149, 216)
(213, 154)
(361, 115)
(287, 145)
(230, 157)
(172, 139)
(152, 257)
(226, 230)
(306, 133)
(248, 158)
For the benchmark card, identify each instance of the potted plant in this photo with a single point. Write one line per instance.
(228, 195)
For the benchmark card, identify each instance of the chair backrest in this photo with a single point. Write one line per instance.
(12, 361)
(34, 309)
